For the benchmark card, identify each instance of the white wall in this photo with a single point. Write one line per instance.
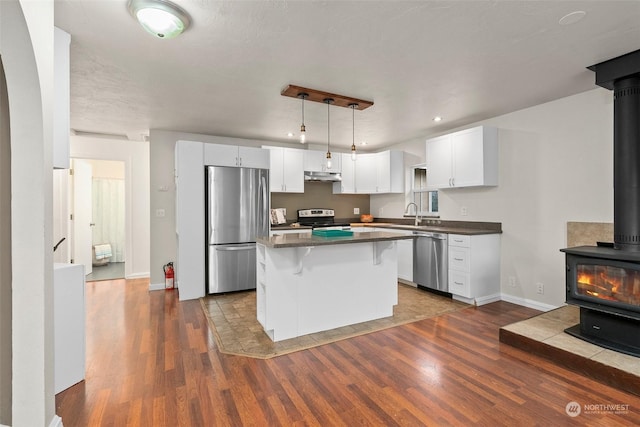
(135, 155)
(556, 165)
(26, 47)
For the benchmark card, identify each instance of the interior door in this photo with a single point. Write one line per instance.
(82, 215)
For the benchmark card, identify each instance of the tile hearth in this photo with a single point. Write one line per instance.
(544, 335)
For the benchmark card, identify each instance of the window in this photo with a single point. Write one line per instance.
(427, 201)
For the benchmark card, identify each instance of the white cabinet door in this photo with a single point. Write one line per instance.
(439, 162)
(286, 173)
(276, 169)
(252, 157)
(466, 152)
(348, 183)
(390, 172)
(467, 158)
(383, 172)
(366, 173)
(315, 161)
(220, 155)
(293, 170)
(405, 259)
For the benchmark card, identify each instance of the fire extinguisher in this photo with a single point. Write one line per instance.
(168, 275)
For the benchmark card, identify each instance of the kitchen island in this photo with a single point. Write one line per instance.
(308, 284)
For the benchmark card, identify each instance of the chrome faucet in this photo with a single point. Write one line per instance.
(406, 212)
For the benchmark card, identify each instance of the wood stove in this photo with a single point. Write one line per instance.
(604, 280)
(605, 283)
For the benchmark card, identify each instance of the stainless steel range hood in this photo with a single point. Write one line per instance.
(322, 176)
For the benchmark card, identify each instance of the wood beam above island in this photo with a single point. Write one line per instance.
(308, 284)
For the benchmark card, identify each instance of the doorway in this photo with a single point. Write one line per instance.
(99, 212)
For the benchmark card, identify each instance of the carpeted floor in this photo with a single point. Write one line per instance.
(237, 331)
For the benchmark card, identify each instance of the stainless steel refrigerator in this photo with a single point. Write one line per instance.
(237, 213)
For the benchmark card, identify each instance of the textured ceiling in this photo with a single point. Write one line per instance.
(462, 60)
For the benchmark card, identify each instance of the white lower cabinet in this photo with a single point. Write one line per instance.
(474, 268)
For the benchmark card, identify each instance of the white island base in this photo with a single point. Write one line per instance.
(307, 289)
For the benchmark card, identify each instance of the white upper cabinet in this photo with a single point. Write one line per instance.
(286, 173)
(390, 172)
(61, 113)
(348, 183)
(366, 173)
(373, 173)
(316, 161)
(235, 156)
(467, 158)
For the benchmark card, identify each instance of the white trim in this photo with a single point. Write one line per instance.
(56, 421)
(143, 275)
(156, 286)
(527, 303)
(488, 299)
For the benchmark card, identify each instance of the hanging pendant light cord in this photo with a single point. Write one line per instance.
(328, 126)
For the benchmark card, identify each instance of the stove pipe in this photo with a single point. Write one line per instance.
(622, 75)
(626, 163)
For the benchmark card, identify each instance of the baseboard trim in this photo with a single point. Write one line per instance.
(487, 299)
(156, 286)
(138, 276)
(56, 421)
(528, 303)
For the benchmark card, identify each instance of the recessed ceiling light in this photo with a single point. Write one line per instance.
(437, 119)
(161, 18)
(290, 134)
(572, 18)
(363, 143)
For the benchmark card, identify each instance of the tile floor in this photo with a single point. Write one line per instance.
(549, 327)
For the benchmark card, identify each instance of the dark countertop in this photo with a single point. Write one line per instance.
(295, 240)
(448, 227)
(431, 228)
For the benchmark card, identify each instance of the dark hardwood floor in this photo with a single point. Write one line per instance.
(152, 361)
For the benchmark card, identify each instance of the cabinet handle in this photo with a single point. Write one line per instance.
(240, 161)
(449, 182)
(237, 164)
(453, 182)
(458, 259)
(458, 283)
(457, 241)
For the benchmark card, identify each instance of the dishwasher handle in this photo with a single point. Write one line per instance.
(435, 236)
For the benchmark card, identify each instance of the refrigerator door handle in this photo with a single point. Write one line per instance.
(236, 248)
(264, 208)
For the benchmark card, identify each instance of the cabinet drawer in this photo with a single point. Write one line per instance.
(459, 240)
(459, 259)
(459, 283)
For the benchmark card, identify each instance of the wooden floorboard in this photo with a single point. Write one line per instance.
(153, 361)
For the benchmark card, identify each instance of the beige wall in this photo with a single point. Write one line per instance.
(320, 195)
(107, 169)
(5, 255)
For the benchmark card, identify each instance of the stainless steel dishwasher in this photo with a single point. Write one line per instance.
(430, 261)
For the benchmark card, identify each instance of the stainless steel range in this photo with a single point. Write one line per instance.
(319, 218)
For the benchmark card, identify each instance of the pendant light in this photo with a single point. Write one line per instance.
(303, 136)
(353, 106)
(329, 101)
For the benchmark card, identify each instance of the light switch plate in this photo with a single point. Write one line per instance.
(356, 211)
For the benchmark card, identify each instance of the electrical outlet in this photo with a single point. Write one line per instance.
(512, 281)
(464, 211)
(159, 213)
(540, 288)
(356, 211)
(380, 212)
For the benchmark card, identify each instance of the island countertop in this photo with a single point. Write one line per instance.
(308, 239)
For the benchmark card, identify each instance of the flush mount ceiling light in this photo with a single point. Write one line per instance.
(161, 18)
(437, 119)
